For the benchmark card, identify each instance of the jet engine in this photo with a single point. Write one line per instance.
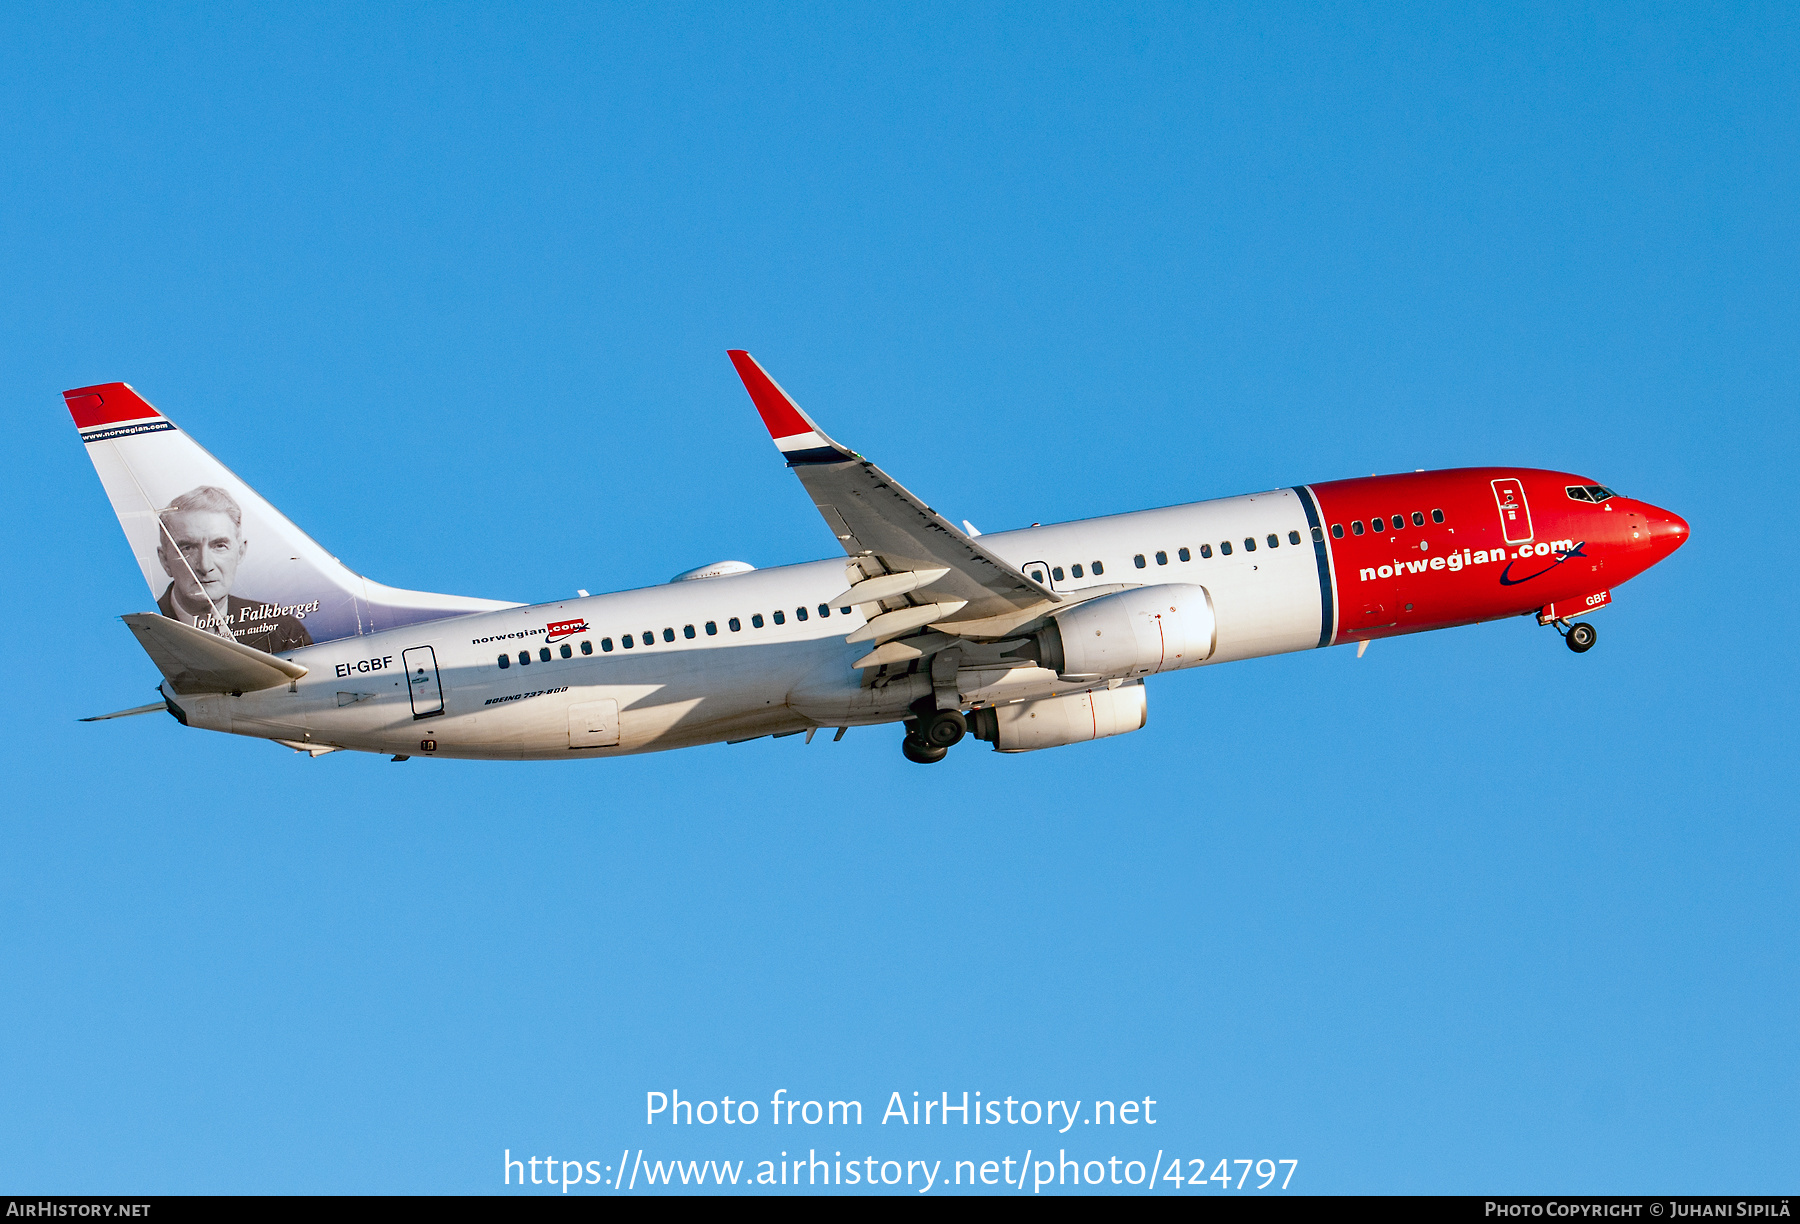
(1133, 633)
(1053, 721)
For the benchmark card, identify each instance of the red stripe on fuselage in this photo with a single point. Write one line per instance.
(1424, 588)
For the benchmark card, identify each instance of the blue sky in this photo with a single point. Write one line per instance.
(453, 287)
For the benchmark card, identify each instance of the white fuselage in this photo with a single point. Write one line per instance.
(727, 685)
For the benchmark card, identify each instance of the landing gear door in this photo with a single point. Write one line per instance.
(422, 681)
(1515, 515)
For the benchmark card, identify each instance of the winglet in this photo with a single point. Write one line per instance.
(798, 439)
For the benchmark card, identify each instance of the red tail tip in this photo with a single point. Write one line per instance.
(106, 404)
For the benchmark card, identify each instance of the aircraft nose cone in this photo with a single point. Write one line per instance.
(1668, 530)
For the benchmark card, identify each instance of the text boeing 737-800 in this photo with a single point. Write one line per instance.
(1027, 639)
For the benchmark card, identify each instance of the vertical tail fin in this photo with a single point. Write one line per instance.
(214, 553)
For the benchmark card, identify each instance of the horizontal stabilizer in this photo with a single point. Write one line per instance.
(195, 661)
(153, 708)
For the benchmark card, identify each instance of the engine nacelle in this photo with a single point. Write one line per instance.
(1053, 721)
(1133, 633)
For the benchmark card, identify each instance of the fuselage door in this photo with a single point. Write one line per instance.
(1039, 573)
(1515, 515)
(594, 724)
(422, 681)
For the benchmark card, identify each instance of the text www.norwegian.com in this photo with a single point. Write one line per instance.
(1033, 1172)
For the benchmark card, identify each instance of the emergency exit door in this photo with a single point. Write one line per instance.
(422, 681)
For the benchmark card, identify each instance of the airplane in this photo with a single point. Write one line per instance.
(1026, 639)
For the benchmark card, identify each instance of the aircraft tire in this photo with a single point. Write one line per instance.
(1581, 637)
(943, 729)
(921, 753)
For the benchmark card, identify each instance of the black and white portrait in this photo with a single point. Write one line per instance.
(201, 545)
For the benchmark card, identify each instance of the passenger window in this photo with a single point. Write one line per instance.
(712, 628)
(1337, 531)
(1056, 574)
(1205, 550)
(1294, 536)
(1418, 518)
(543, 654)
(734, 624)
(1138, 560)
(844, 611)
(1224, 548)
(567, 653)
(606, 645)
(756, 621)
(687, 631)
(1184, 554)
(780, 617)
(524, 658)
(1098, 569)
(1249, 543)
(587, 647)
(1437, 516)
(799, 613)
(505, 662)
(1275, 540)
(824, 610)
(627, 640)
(650, 637)
(1356, 526)
(1037, 575)
(1399, 522)
(1075, 570)
(1378, 525)
(1162, 558)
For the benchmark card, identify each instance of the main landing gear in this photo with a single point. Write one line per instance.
(1580, 636)
(932, 734)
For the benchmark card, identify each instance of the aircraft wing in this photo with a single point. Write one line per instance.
(913, 562)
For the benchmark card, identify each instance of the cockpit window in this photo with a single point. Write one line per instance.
(1593, 493)
(1578, 492)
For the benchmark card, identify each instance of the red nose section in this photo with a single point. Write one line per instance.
(1668, 530)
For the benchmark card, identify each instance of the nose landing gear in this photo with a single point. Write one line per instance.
(932, 734)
